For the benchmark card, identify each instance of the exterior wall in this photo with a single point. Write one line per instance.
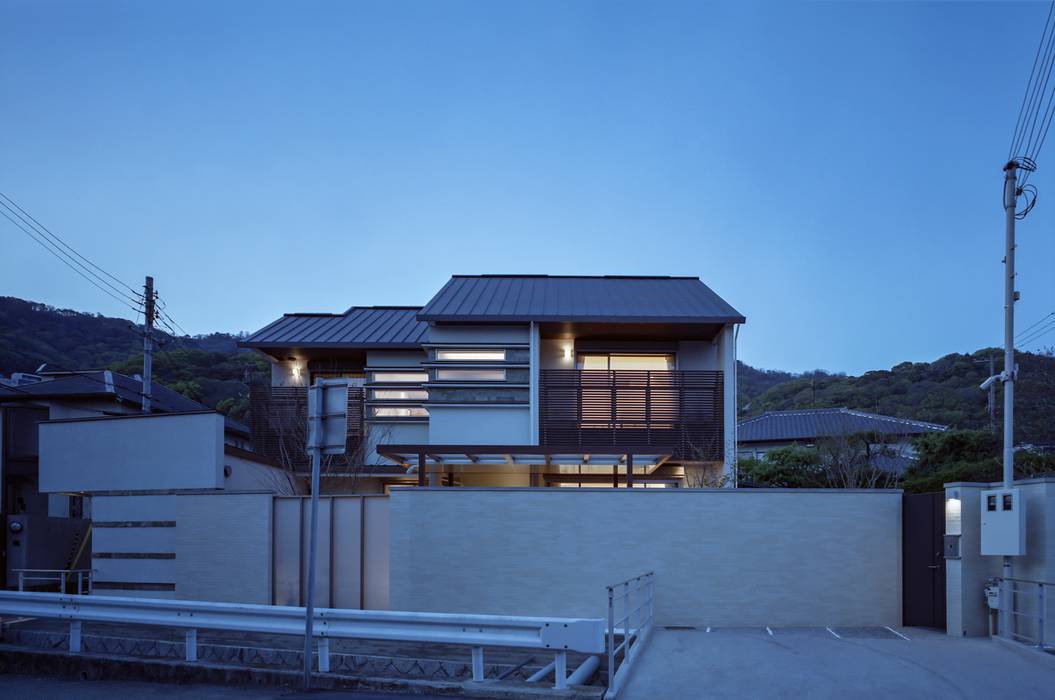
(289, 373)
(130, 453)
(966, 610)
(552, 353)
(392, 433)
(721, 557)
(395, 358)
(247, 475)
(166, 546)
(726, 356)
(483, 333)
(698, 355)
(475, 425)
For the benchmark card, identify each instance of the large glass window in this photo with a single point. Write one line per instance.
(400, 394)
(400, 412)
(625, 361)
(471, 375)
(401, 377)
(472, 355)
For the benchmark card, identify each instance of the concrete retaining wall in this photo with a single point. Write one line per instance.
(721, 557)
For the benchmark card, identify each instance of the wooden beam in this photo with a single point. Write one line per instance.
(421, 469)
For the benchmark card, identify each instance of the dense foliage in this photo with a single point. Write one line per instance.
(207, 368)
(944, 391)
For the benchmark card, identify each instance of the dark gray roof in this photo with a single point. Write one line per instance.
(94, 384)
(812, 423)
(521, 298)
(358, 327)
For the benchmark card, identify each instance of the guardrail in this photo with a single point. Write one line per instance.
(59, 576)
(559, 635)
(1025, 603)
(635, 597)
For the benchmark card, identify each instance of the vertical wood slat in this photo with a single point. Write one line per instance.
(275, 411)
(681, 412)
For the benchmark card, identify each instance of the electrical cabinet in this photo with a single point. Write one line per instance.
(1003, 522)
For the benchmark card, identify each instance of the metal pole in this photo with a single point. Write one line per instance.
(1010, 197)
(148, 340)
(309, 617)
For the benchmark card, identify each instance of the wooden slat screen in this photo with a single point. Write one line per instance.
(278, 422)
(680, 412)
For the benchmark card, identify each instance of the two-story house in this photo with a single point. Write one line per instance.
(517, 380)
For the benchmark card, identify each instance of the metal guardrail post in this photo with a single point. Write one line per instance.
(478, 663)
(80, 583)
(626, 621)
(191, 644)
(75, 636)
(611, 635)
(1040, 616)
(324, 654)
(560, 670)
(21, 581)
(62, 583)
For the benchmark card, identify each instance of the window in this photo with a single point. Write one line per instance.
(401, 394)
(624, 361)
(401, 377)
(400, 412)
(471, 375)
(472, 355)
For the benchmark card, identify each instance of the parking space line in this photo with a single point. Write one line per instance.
(833, 632)
(770, 631)
(708, 630)
(898, 633)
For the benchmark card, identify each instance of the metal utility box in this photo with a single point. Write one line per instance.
(1003, 522)
(952, 546)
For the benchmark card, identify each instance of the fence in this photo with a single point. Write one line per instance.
(634, 599)
(1025, 602)
(56, 576)
(558, 635)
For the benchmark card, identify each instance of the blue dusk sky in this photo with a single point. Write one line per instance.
(833, 170)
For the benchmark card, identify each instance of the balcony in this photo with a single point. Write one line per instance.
(278, 421)
(677, 412)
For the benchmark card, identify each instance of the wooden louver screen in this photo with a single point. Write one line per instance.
(679, 412)
(278, 422)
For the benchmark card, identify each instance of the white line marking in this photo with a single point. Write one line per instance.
(17, 619)
(708, 630)
(833, 632)
(770, 631)
(898, 634)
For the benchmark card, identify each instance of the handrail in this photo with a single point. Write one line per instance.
(1010, 600)
(59, 576)
(558, 635)
(643, 588)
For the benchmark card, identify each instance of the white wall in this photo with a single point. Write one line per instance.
(481, 333)
(475, 425)
(698, 355)
(131, 453)
(722, 557)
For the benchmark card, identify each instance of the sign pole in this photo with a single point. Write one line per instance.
(309, 617)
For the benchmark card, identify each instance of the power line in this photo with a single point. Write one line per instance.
(1029, 96)
(1043, 330)
(130, 303)
(55, 237)
(1024, 331)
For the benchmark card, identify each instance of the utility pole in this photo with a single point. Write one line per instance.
(148, 340)
(1010, 297)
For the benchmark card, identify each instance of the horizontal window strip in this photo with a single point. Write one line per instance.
(134, 523)
(133, 555)
(132, 586)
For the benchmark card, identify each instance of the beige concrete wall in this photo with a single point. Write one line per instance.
(722, 557)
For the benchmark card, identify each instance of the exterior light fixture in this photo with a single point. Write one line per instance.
(567, 352)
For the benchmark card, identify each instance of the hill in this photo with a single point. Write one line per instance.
(944, 391)
(211, 369)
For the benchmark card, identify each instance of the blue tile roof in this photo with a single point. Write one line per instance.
(813, 423)
(618, 299)
(359, 327)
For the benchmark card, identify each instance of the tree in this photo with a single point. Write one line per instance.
(787, 467)
(859, 461)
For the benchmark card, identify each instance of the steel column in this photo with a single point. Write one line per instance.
(478, 663)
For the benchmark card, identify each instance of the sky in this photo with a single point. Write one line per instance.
(833, 170)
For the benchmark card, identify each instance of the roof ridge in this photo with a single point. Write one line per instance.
(586, 277)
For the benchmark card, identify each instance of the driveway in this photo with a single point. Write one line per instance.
(838, 663)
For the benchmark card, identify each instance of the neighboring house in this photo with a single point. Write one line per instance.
(515, 380)
(775, 429)
(52, 523)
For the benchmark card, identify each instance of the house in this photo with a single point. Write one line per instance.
(515, 380)
(47, 515)
(775, 429)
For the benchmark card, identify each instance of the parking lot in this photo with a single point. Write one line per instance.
(819, 662)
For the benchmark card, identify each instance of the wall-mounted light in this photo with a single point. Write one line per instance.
(953, 513)
(296, 370)
(567, 352)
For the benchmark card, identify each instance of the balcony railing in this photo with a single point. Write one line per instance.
(278, 422)
(676, 412)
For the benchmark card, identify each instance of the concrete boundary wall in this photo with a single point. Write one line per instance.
(722, 557)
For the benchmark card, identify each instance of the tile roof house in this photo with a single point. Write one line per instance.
(520, 380)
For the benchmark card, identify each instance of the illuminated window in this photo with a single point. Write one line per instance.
(401, 377)
(400, 412)
(471, 375)
(472, 355)
(401, 394)
(615, 361)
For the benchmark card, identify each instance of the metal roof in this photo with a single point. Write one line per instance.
(812, 423)
(522, 298)
(98, 384)
(358, 327)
